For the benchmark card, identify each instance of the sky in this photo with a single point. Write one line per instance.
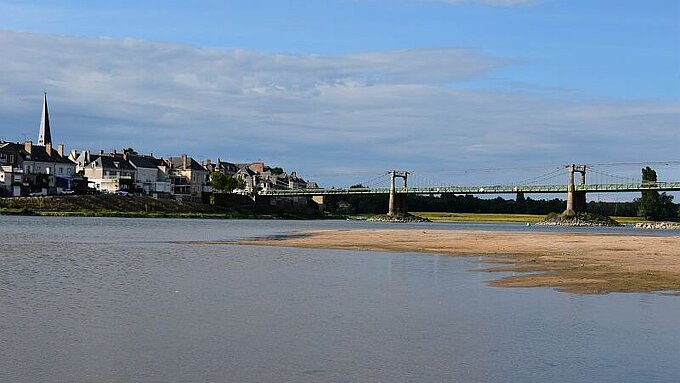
(456, 91)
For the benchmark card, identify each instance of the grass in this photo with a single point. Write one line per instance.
(479, 217)
(629, 220)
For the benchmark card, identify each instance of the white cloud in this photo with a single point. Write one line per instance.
(360, 113)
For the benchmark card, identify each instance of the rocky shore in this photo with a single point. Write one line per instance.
(578, 220)
(658, 225)
(403, 218)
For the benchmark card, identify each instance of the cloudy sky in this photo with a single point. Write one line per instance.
(342, 90)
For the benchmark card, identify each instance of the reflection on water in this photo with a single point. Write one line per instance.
(122, 300)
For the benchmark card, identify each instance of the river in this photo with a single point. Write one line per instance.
(138, 300)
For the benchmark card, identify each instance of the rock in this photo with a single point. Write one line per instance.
(658, 225)
(404, 218)
(578, 219)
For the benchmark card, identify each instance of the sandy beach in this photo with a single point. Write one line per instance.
(574, 262)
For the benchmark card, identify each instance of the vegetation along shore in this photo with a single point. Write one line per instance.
(130, 206)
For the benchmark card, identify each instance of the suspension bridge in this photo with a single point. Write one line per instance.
(546, 183)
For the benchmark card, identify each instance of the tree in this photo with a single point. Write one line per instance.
(218, 181)
(667, 209)
(130, 151)
(655, 206)
(649, 201)
(357, 186)
(276, 171)
(223, 182)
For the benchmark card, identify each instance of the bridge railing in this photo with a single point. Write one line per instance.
(630, 187)
(486, 189)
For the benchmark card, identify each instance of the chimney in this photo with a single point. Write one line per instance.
(113, 152)
(151, 155)
(101, 152)
(60, 149)
(28, 146)
(184, 161)
(208, 161)
(48, 149)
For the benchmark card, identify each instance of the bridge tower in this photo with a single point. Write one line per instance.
(576, 199)
(397, 200)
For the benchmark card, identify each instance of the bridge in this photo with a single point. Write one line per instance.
(576, 192)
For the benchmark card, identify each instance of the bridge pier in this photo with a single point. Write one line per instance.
(397, 204)
(320, 201)
(576, 199)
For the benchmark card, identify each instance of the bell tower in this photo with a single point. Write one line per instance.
(45, 136)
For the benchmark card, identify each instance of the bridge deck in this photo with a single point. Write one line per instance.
(486, 189)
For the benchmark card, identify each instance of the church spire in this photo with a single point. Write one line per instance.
(45, 136)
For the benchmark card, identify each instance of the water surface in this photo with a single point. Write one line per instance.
(133, 300)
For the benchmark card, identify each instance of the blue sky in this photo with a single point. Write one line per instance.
(351, 83)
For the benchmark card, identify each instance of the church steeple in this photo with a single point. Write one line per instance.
(45, 136)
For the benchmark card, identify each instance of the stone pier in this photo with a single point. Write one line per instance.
(576, 199)
(397, 203)
(320, 201)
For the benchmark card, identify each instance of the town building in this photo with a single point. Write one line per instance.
(11, 170)
(189, 179)
(45, 169)
(151, 177)
(36, 168)
(108, 173)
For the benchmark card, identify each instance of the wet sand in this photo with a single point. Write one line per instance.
(574, 262)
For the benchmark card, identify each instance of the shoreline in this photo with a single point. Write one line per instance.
(584, 263)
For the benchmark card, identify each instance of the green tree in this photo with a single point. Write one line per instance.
(223, 182)
(130, 151)
(655, 206)
(276, 171)
(219, 181)
(667, 209)
(357, 186)
(649, 201)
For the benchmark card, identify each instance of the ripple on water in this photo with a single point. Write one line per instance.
(131, 300)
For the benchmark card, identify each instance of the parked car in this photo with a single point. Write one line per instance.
(122, 192)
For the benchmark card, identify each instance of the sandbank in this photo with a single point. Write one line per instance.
(575, 262)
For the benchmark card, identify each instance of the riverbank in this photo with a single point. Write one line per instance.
(111, 205)
(501, 217)
(142, 214)
(574, 262)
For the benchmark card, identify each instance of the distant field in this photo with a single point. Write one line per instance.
(629, 220)
(478, 217)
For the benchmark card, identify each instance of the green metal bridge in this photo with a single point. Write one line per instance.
(547, 183)
(485, 189)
